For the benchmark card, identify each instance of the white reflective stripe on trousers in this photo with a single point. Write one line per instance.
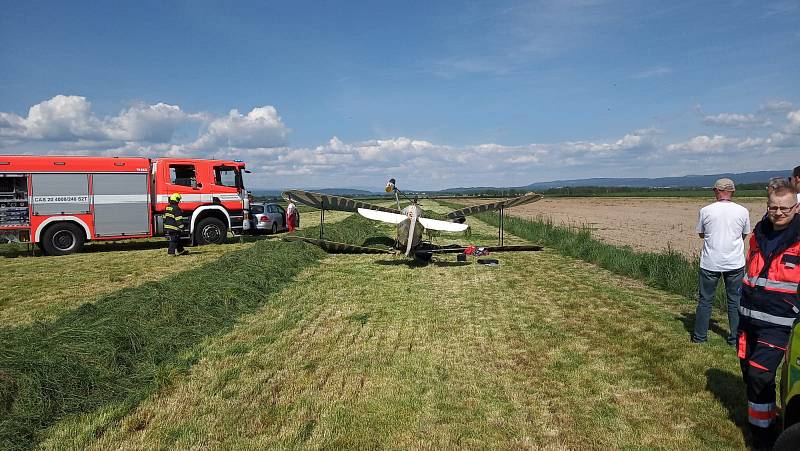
(760, 423)
(767, 407)
(755, 314)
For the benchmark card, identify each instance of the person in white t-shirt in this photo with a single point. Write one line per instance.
(722, 226)
(795, 180)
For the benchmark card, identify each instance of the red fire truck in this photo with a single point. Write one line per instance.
(59, 203)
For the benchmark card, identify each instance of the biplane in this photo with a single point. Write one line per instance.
(411, 222)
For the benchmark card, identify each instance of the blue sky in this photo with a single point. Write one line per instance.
(436, 94)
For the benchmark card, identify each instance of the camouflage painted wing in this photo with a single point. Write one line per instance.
(507, 203)
(328, 202)
(333, 247)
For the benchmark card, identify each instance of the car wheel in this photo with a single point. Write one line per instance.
(62, 239)
(789, 439)
(274, 228)
(210, 231)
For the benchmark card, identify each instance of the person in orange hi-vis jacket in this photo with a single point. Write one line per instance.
(769, 307)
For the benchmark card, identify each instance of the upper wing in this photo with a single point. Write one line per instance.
(445, 226)
(507, 203)
(334, 247)
(385, 216)
(328, 202)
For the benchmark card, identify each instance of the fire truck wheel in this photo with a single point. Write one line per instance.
(62, 238)
(789, 439)
(210, 231)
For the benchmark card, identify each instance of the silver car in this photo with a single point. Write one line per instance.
(268, 217)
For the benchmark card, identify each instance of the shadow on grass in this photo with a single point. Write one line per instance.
(410, 262)
(729, 390)
(688, 324)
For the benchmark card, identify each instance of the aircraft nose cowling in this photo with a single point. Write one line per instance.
(402, 233)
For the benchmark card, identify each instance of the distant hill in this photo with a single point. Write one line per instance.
(686, 181)
(344, 192)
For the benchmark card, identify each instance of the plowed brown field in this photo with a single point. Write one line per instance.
(640, 222)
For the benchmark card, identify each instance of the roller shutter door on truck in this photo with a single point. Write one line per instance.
(57, 194)
(121, 204)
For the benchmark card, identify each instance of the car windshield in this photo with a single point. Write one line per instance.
(256, 209)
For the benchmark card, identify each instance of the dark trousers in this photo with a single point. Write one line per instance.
(761, 350)
(708, 287)
(174, 243)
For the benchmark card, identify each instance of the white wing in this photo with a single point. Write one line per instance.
(384, 216)
(442, 225)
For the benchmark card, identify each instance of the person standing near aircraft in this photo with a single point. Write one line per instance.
(769, 307)
(722, 226)
(173, 225)
(291, 215)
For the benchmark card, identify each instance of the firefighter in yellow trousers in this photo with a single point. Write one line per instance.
(174, 225)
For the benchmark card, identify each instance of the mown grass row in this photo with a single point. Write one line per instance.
(129, 344)
(667, 270)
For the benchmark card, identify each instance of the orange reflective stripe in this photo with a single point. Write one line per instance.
(742, 344)
(756, 365)
(771, 345)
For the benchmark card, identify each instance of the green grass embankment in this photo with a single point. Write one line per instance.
(113, 353)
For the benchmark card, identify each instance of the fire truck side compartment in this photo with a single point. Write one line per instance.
(121, 204)
(55, 194)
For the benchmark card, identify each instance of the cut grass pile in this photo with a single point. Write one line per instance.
(668, 270)
(112, 353)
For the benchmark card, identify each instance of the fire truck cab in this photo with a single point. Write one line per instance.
(59, 203)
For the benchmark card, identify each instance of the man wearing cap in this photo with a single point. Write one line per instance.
(173, 225)
(722, 226)
(769, 307)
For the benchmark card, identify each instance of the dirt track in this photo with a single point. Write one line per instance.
(642, 223)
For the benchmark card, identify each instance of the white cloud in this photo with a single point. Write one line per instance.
(776, 106)
(261, 127)
(150, 123)
(62, 118)
(794, 122)
(735, 120)
(70, 119)
(707, 145)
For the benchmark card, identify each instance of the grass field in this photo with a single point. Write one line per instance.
(359, 351)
